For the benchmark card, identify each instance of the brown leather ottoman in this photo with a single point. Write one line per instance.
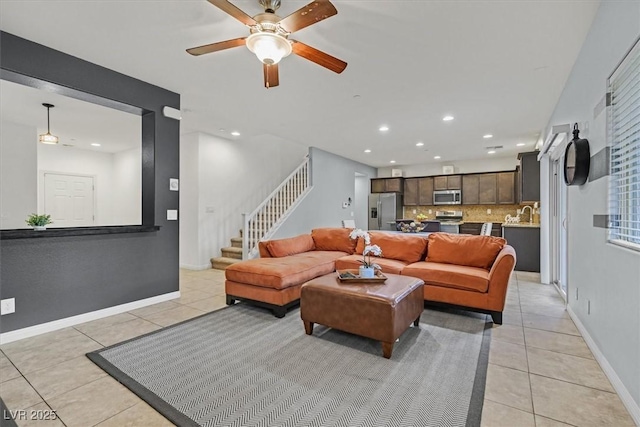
(378, 311)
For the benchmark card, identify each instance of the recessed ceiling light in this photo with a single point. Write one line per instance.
(95, 144)
(436, 157)
(491, 152)
(383, 128)
(419, 144)
(447, 118)
(235, 133)
(520, 144)
(367, 151)
(221, 129)
(487, 136)
(392, 161)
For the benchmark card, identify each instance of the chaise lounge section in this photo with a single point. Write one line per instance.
(461, 270)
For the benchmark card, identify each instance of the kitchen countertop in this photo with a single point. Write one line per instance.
(521, 225)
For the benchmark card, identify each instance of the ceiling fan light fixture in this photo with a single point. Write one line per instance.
(270, 48)
(47, 138)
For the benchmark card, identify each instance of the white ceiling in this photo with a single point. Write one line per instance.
(76, 123)
(497, 66)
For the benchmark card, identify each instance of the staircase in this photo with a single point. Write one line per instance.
(230, 254)
(265, 220)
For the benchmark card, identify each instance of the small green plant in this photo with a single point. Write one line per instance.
(36, 220)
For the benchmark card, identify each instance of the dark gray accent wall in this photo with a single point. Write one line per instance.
(59, 277)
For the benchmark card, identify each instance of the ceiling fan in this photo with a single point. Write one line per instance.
(269, 38)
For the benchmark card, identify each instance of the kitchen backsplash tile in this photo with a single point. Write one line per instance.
(471, 213)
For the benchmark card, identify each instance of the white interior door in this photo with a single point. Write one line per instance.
(69, 199)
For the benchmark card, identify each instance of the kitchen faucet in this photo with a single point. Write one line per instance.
(530, 213)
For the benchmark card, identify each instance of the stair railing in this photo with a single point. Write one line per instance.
(265, 220)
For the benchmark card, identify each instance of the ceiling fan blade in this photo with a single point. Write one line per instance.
(270, 75)
(319, 57)
(214, 47)
(234, 11)
(314, 12)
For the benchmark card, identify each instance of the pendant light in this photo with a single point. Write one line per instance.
(47, 138)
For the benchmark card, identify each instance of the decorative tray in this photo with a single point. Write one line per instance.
(351, 276)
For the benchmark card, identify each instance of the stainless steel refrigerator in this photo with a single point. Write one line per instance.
(384, 209)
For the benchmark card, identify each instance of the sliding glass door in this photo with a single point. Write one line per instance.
(559, 224)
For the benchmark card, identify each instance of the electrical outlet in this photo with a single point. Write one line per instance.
(352, 213)
(415, 211)
(488, 211)
(7, 306)
(429, 211)
(172, 215)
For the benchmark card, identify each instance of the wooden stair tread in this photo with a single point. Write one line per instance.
(232, 249)
(221, 263)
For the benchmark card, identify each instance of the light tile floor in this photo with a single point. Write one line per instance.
(541, 372)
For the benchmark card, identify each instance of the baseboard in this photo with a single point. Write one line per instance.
(631, 405)
(196, 267)
(43, 328)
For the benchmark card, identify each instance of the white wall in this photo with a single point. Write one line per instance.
(361, 201)
(69, 160)
(605, 274)
(489, 164)
(127, 187)
(117, 180)
(188, 213)
(233, 176)
(333, 179)
(18, 174)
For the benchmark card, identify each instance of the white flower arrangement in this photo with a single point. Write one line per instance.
(369, 249)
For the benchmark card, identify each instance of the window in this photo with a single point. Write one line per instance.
(624, 138)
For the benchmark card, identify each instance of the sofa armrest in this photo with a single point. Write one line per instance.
(500, 274)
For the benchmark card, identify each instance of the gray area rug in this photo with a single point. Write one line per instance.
(241, 366)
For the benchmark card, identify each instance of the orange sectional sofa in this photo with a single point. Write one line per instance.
(461, 270)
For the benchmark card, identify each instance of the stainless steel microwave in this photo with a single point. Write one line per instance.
(447, 197)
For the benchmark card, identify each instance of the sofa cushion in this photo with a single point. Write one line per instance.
(449, 275)
(472, 251)
(352, 262)
(333, 239)
(404, 247)
(281, 273)
(290, 246)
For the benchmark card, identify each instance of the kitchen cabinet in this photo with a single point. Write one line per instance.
(418, 191)
(425, 191)
(526, 242)
(470, 189)
(529, 178)
(447, 182)
(387, 185)
(487, 191)
(475, 228)
(411, 192)
(506, 182)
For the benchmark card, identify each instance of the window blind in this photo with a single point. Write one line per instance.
(624, 140)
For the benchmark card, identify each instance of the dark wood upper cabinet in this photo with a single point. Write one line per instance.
(425, 191)
(411, 192)
(470, 189)
(487, 189)
(454, 182)
(506, 188)
(377, 185)
(387, 185)
(529, 177)
(447, 182)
